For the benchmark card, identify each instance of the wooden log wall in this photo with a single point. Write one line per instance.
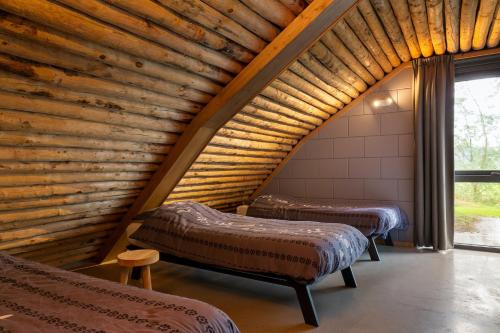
(93, 95)
(372, 40)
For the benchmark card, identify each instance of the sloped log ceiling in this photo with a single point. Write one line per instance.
(93, 95)
(372, 40)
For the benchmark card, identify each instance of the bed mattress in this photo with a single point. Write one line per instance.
(370, 219)
(39, 298)
(303, 251)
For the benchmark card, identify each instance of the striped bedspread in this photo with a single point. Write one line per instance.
(304, 251)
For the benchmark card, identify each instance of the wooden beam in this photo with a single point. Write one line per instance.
(467, 22)
(483, 23)
(303, 32)
(452, 20)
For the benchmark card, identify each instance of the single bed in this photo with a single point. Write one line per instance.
(295, 254)
(39, 298)
(373, 220)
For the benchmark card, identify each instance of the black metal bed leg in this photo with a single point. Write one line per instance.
(372, 249)
(136, 273)
(348, 276)
(306, 304)
(388, 240)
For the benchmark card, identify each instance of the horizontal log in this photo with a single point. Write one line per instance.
(153, 32)
(419, 13)
(273, 11)
(254, 136)
(262, 102)
(251, 144)
(378, 31)
(240, 200)
(303, 85)
(40, 191)
(337, 67)
(467, 22)
(64, 19)
(229, 166)
(68, 178)
(391, 26)
(55, 227)
(26, 121)
(72, 154)
(87, 84)
(360, 27)
(206, 158)
(205, 15)
(65, 217)
(246, 17)
(165, 18)
(59, 200)
(290, 90)
(238, 125)
(17, 138)
(201, 187)
(262, 123)
(326, 75)
(219, 180)
(280, 119)
(306, 74)
(484, 18)
(452, 21)
(82, 112)
(104, 74)
(296, 6)
(211, 198)
(37, 213)
(75, 261)
(403, 16)
(18, 167)
(29, 30)
(18, 84)
(56, 236)
(335, 45)
(195, 194)
(79, 241)
(232, 151)
(342, 33)
(293, 102)
(222, 173)
(52, 255)
(435, 16)
(494, 35)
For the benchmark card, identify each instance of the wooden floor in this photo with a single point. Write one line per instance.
(407, 292)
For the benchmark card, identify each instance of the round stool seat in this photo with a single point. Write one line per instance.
(137, 258)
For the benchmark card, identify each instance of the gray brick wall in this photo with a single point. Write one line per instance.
(366, 155)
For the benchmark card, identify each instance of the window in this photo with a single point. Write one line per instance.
(477, 162)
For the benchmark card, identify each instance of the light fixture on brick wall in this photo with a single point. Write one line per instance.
(381, 99)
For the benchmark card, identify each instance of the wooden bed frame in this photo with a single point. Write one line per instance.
(301, 288)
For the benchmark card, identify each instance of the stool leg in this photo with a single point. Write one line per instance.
(124, 275)
(146, 277)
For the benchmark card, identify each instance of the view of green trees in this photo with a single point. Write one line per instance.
(477, 147)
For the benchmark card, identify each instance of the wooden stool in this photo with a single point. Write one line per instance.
(138, 258)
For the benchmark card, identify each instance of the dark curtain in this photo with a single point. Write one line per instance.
(434, 80)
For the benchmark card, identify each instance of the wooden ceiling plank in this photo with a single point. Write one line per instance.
(452, 23)
(494, 36)
(436, 26)
(467, 22)
(384, 11)
(419, 17)
(483, 23)
(305, 30)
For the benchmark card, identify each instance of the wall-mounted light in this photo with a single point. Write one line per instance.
(381, 99)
